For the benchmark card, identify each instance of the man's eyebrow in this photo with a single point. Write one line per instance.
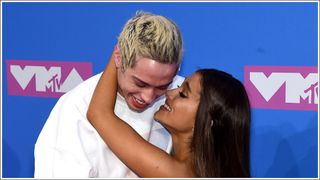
(147, 84)
(140, 81)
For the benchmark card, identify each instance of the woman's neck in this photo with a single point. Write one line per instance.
(181, 148)
(182, 153)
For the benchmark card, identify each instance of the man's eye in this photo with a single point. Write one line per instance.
(163, 88)
(141, 85)
(182, 95)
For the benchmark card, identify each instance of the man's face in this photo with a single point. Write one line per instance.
(145, 82)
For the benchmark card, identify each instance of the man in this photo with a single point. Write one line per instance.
(147, 56)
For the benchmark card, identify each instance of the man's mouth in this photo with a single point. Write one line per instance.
(138, 103)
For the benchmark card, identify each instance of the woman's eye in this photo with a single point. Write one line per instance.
(182, 95)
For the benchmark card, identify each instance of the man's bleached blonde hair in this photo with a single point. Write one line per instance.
(150, 36)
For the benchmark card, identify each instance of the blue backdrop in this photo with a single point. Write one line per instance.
(222, 35)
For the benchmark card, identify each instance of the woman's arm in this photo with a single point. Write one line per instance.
(138, 154)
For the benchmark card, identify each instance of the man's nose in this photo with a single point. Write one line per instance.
(148, 95)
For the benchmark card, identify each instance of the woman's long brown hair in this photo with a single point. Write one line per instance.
(221, 140)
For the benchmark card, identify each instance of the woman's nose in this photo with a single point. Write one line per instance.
(170, 93)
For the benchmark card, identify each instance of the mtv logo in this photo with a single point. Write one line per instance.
(282, 87)
(45, 78)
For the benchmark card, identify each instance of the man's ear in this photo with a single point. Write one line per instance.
(117, 56)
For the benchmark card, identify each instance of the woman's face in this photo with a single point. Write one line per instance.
(179, 111)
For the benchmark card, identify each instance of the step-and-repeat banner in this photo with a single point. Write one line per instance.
(49, 48)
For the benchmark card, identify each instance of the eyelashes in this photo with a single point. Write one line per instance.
(181, 93)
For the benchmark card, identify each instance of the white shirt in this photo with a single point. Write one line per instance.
(69, 146)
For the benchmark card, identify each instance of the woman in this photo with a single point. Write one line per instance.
(208, 118)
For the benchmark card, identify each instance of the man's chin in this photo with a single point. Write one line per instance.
(139, 110)
(134, 108)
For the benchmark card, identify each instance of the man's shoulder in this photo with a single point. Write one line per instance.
(80, 95)
(87, 85)
(72, 106)
(85, 88)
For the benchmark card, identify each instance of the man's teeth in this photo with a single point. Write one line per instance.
(167, 107)
(139, 101)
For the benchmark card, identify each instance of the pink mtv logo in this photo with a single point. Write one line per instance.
(45, 78)
(282, 87)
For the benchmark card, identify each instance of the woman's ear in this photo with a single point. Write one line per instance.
(117, 56)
